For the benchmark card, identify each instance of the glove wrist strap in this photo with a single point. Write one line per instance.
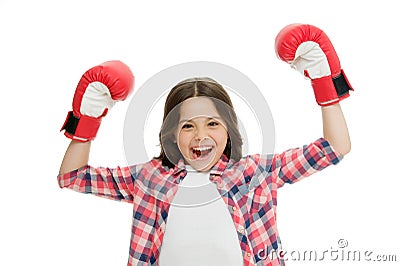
(342, 85)
(83, 128)
(329, 91)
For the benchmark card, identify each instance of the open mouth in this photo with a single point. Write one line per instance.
(201, 152)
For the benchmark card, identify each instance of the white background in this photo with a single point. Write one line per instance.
(46, 46)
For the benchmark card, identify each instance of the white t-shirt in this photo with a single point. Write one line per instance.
(199, 229)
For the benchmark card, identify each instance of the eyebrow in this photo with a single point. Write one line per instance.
(208, 118)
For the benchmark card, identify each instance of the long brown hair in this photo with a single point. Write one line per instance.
(195, 87)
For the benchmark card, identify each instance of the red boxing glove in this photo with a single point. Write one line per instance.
(308, 50)
(97, 91)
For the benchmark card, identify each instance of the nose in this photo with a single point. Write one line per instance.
(200, 133)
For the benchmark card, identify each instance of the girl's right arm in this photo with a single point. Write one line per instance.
(111, 183)
(76, 156)
(96, 93)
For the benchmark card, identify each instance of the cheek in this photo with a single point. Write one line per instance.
(221, 138)
(183, 139)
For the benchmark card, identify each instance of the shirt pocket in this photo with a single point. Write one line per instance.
(262, 201)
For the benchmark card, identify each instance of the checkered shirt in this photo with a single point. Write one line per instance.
(248, 188)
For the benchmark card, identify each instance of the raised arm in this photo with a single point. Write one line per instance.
(335, 128)
(76, 156)
(97, 91)
(309, 51)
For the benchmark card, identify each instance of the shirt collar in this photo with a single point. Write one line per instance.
(162, 182)
(217, 169)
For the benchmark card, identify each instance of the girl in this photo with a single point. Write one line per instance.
(200, 201)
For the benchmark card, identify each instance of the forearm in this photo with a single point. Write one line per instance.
(335, 128)
(76, 156)
(111, 183)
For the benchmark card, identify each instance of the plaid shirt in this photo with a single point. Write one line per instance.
(248, 188)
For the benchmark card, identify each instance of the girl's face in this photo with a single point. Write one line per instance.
(201, 133)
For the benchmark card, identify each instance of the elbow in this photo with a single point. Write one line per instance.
(344, 149)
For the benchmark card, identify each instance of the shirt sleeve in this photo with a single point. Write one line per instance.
(298, 163)
(112, 183)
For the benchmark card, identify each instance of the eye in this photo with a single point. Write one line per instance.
(186, 126)
(213, 123)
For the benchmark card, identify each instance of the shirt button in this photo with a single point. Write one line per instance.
(234, 208)
(162, 228)
(241, 231)
(248, 254)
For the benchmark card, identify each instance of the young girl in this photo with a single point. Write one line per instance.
(200, 201)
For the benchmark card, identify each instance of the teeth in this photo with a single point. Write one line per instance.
(202, 148)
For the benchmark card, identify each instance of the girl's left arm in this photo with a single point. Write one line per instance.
(335, 128)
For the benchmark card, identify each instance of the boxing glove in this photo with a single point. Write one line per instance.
(308, 50)
(97, 91)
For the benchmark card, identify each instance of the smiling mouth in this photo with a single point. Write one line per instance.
(201, 152)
